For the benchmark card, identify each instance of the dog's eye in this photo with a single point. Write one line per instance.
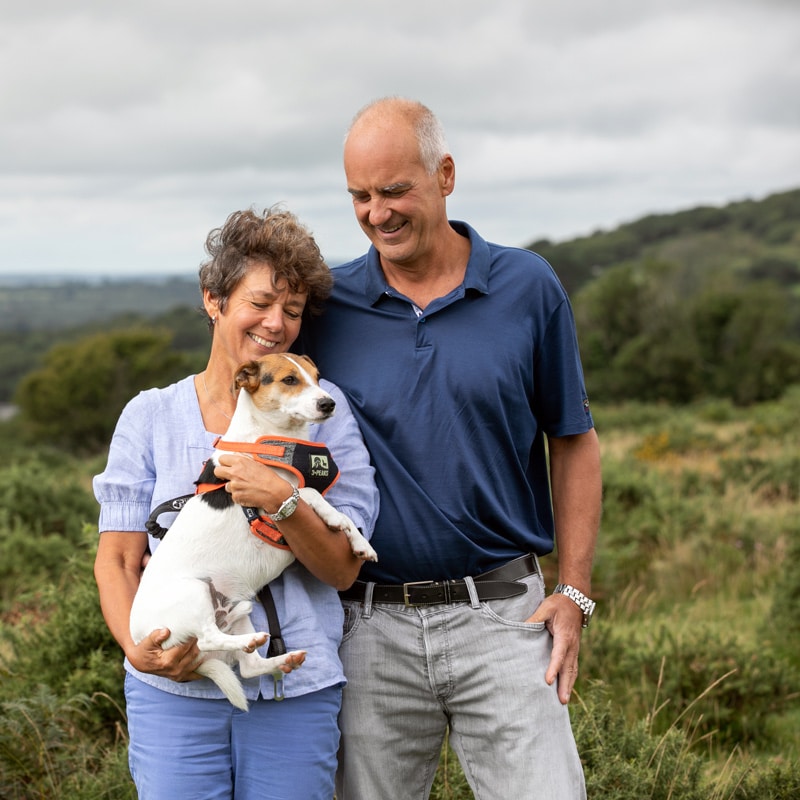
(290, 380)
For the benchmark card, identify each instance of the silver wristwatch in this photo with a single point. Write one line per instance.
(579, 598)
(288, 507)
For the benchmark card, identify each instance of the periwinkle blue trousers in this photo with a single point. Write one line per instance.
(185, 748)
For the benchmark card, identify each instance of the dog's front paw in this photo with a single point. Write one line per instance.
(363, 549)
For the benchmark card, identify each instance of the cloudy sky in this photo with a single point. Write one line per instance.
(129, 129)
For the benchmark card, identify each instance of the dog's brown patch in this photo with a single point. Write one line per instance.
(276, 368)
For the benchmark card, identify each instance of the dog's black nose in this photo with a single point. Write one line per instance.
(326, 405)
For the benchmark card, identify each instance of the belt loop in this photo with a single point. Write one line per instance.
(366, 613)
(473, 592)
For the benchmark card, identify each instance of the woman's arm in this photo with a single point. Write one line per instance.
(325, 553)
(117, 569)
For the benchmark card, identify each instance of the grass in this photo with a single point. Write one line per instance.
(689, 685)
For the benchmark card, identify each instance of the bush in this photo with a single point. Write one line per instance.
(74, 400)
(784, 619)
(44, 753)
(716, 687)
(623, 761)
(43, 507)
(65, 645)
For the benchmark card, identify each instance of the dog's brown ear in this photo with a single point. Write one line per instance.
(309, 363)
(247, 377)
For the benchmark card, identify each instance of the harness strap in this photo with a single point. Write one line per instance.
(176, 504)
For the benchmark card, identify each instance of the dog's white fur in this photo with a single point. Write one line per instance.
(202, 578)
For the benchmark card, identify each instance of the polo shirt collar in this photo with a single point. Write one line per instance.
(475, 278)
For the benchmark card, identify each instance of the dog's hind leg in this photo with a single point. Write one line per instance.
(212, 638)
(252, 664)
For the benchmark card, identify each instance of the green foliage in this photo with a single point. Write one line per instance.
(43, 508)
(785, 616)
(63, 643)
(743, 235)
(623, 761)
(725, 691)
(74, 400)
(644, 338)
(23, 351)
(45, 754)
(779, 781)
(690, 673)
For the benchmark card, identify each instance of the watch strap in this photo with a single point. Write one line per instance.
(579, 598)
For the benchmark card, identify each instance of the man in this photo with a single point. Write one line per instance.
(459, 357)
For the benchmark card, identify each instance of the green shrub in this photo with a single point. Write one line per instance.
(75, 399)
(43, 508)
(784, 619)
(67, 647)
(624, 761)
(44, 752)
(716, 686)
(778, 780)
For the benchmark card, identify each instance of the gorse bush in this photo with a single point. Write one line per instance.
(724, 691)
(43, 508)
(44, 752)
(784, 616)
(68, 648)
(624, 760)
(689, 681)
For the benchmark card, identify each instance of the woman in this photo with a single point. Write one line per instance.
(264, 273)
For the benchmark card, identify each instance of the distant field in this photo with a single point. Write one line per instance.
(68, 303)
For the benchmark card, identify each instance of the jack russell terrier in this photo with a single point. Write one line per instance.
(203, 577)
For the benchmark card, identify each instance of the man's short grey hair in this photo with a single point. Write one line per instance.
(427, 127)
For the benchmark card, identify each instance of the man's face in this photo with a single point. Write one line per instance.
(399, 206)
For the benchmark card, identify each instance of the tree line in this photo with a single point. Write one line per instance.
(672, 308)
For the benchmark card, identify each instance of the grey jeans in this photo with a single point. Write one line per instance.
(476, 667)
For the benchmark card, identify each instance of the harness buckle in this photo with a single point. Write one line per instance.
(406, 599)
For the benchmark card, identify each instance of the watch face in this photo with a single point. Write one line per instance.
(288, 507)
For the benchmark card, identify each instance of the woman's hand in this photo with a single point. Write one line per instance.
(178, 663)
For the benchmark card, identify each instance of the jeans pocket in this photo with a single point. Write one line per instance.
(352, 614)
(514, 611)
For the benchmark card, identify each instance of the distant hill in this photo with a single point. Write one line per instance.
(759, 239)
(755, 238)
(64, 302)
(635, 289)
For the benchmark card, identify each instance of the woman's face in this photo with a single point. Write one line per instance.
(259, 317)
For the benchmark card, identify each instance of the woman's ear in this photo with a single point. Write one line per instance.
(211, 304)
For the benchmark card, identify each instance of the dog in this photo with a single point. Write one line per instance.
(201, 580)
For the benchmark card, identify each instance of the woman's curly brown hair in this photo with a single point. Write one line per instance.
(275, 236)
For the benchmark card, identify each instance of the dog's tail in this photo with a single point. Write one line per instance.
(226, 679)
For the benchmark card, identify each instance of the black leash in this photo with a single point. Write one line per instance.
(277, 647)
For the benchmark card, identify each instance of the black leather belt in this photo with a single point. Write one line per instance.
(497, 584)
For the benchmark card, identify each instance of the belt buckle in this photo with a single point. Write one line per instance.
(406, 599)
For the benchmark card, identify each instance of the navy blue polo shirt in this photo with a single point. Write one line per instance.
(454, 403)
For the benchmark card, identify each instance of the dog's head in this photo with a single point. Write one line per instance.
(285, 384)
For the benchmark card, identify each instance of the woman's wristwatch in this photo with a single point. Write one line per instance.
(579, 598)
(288, 507)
